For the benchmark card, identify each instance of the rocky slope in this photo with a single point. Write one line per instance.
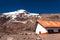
(52, 17)
(15, 22)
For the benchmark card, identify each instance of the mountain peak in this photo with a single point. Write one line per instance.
(21, 11)
(16, 12)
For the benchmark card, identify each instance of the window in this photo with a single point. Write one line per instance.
(58, 30)
(50, 31)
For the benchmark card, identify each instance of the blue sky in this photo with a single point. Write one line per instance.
(36, 6)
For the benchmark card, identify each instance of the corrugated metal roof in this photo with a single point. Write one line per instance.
(49, 24)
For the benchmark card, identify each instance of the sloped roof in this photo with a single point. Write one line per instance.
(49, 24)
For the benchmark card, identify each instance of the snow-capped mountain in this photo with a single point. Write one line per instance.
(13, 14)
(20, 13)
(20, 19)
(20, 16)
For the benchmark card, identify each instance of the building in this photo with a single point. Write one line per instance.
(44, 26)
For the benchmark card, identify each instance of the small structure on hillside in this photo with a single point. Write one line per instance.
(47, 27)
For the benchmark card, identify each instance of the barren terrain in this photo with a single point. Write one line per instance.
(23, 27)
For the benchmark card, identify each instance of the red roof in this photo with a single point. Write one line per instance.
(49, 24)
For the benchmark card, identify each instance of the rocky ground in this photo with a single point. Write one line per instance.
(20, 36)
(29, 36)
